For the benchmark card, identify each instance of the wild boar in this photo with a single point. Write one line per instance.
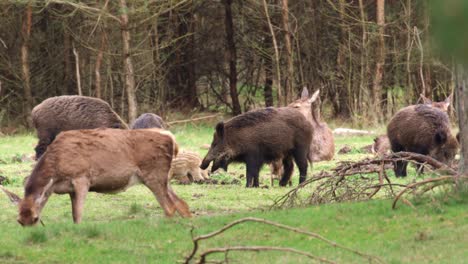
(187, 165)
(381, 145)
(104, 161)
(323, 143)
(421, 129)
(71, 112)
(148, 120)
(262, 136)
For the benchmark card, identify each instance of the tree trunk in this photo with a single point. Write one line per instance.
(288, 89)
(340, 88)
(268, 66)
(97, 68)
(231, 57)
(26, 33)
(380, 60)
(160, 97)
(128, 66)
(68, 81)
(277, 60)
(462, 96)
(77, 70)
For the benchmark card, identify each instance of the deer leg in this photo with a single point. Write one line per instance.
(180, 205)
(81, 187)
(157, 182)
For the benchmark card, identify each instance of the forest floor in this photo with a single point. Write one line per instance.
(129, 227)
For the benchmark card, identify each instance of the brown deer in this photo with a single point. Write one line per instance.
(323, 143)
(103, 161)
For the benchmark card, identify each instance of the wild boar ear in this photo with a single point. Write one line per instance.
(305, 93)
(425, 99)
(13, 197)
(314, 96)
(440, 137)
(41, 198)
(220, 129)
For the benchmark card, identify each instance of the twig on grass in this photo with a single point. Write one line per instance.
(197, 239)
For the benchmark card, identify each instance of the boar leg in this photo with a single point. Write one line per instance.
(78, 197)
(45, 138)
(300, 157)
(253, 167)
(157, 182)
(288, 167)
(399, 166)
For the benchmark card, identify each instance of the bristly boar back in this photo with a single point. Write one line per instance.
(71, 112)
(262, 136)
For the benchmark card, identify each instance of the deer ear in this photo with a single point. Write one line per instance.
(314, 96)
(220, 129)
(305, 93)
(42, 197)
(448, 100)
(425, 99)
(13, 197)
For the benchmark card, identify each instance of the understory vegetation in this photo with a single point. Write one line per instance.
(129, 227)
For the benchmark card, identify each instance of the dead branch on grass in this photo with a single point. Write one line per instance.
(205, 253)
(191, 119)
(351, 181)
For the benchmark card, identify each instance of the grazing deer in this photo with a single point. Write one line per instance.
(104, 161)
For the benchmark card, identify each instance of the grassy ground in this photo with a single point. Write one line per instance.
(129, 227)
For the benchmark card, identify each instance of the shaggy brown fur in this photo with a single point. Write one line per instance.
(104, 161)
(186, 165)
(148, 120)
(381, 145)
(421, 129)
(259, 137)
(71, 112)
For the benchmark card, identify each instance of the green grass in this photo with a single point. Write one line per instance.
(129, 227)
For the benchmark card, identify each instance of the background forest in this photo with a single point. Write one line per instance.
(232, 56)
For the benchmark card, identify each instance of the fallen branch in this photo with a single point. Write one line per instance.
(438, 180)
(191, 119)
(226, 250)
(197, 239)
(343, 184)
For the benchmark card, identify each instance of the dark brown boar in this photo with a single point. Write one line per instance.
(71, 112)
(103, 161)
(148, 120)
(262, 136)
(323, 142)
(421, 129)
